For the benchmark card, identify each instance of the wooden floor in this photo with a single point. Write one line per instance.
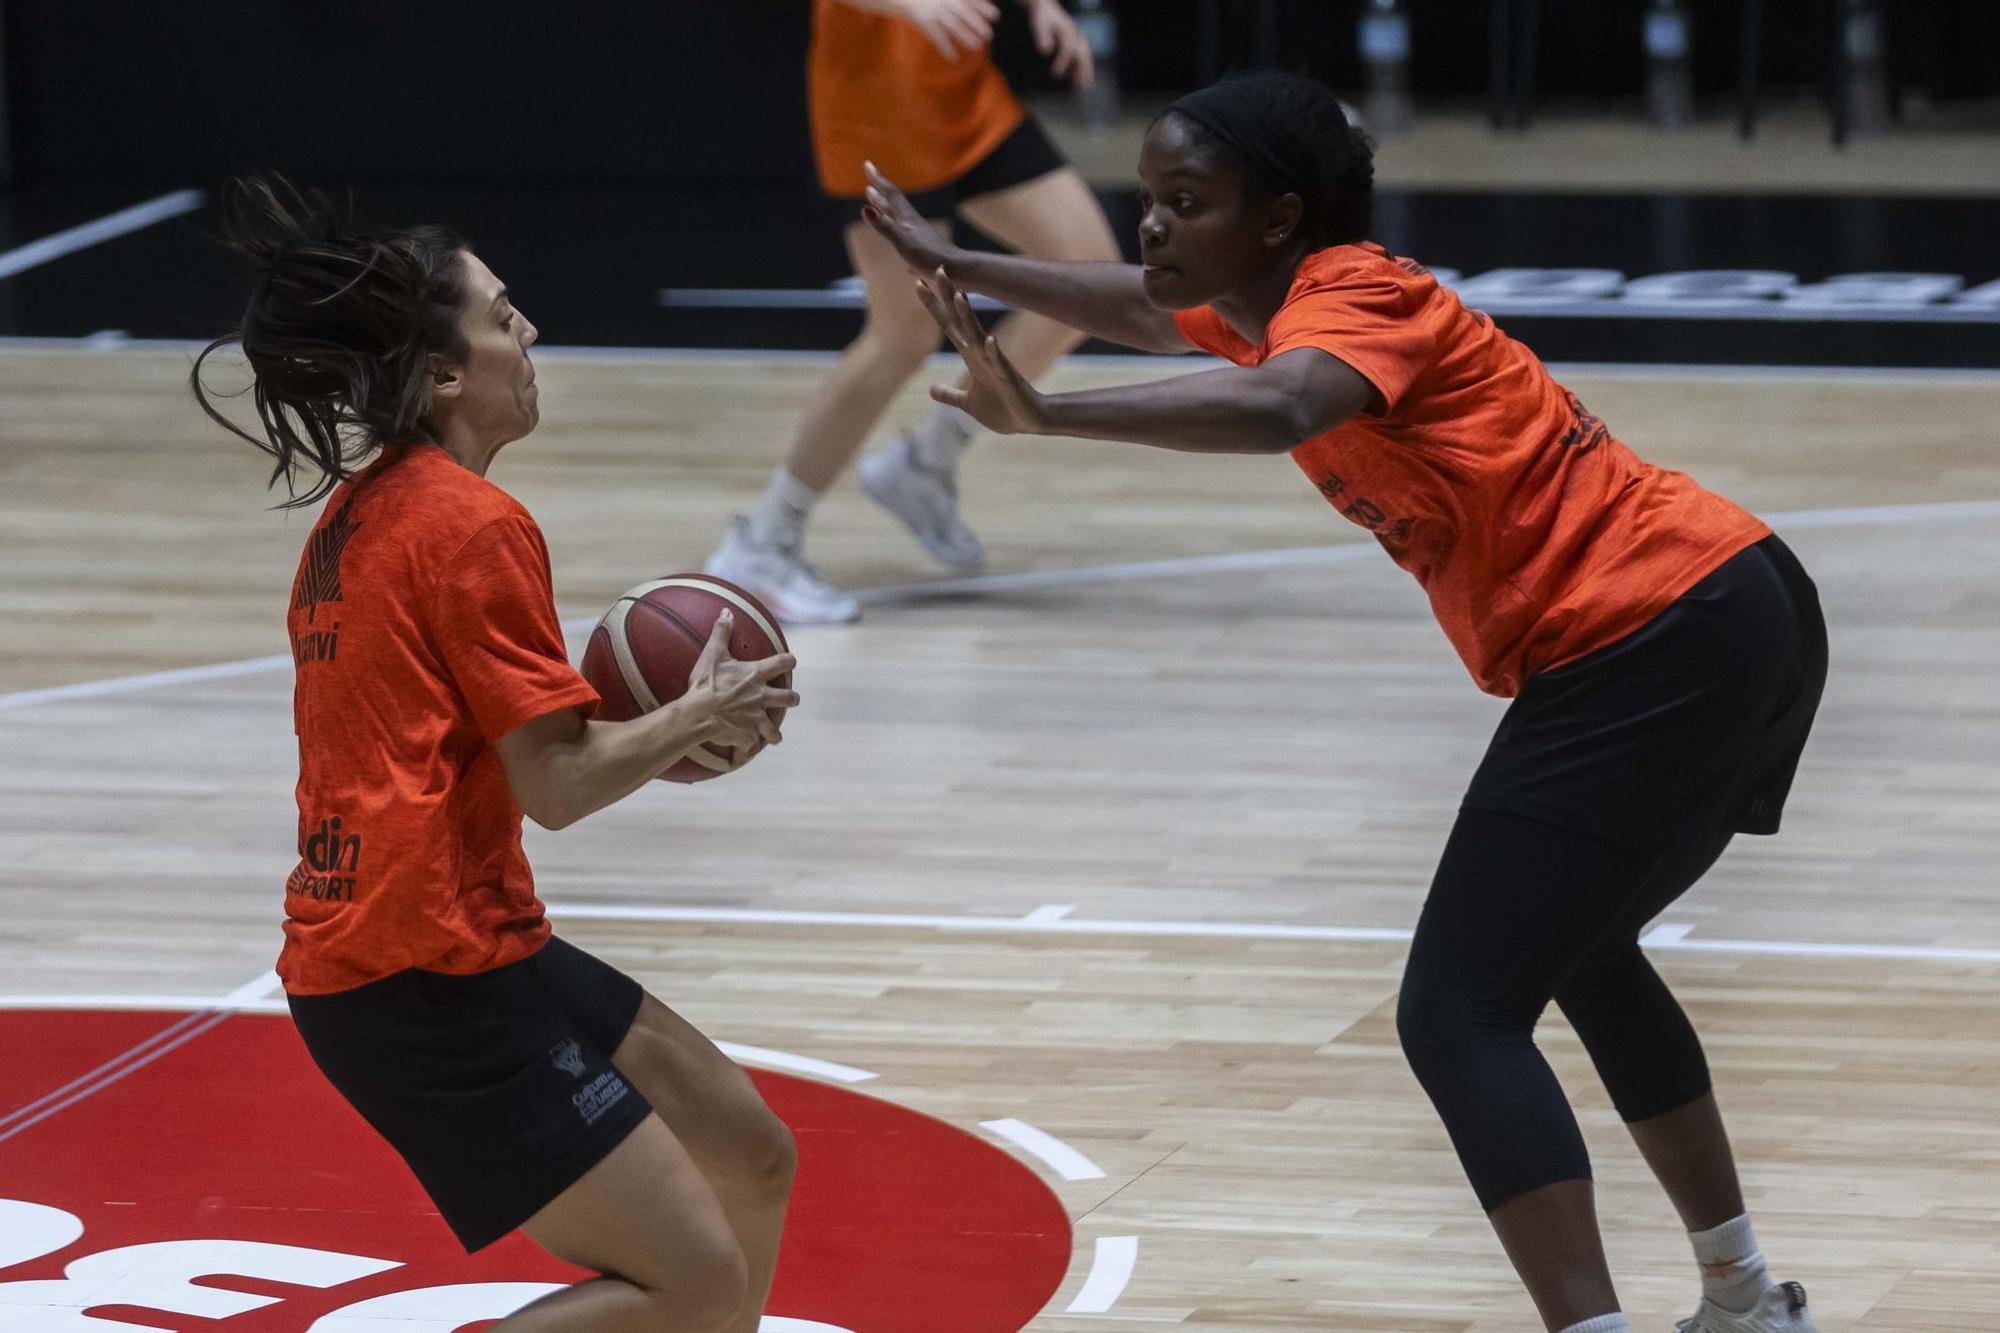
(1195, 779)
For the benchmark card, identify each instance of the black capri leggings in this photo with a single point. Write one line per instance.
(1613, 784)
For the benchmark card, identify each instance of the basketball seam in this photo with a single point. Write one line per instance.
(621, 653)
(772, 633)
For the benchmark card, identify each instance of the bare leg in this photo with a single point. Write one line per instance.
(743, 1151)
(894, 341)
(1051, 217)
(1551, 1236)
(1688, 1149)
(645, 1219)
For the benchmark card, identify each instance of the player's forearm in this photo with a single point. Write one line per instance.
(1230, 411)
(607, 761)
(1105, 300)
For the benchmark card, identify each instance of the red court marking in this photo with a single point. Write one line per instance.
(896, 1216)
(30, 1071)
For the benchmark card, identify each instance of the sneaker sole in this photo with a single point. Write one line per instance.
(943, 555)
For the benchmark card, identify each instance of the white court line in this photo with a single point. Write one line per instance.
(1667, 932)
(203, 1003)
(255, 989)
(164, 1034)
(1137, 569)
(90, 689)
(1649, 370)
(1036, 923)
(121, 223)
(211, 1019)
(1110, 1269)
(1046, 578)
(766, 1058)
(1064, 1160)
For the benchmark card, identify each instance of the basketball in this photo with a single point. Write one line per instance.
(641, 654)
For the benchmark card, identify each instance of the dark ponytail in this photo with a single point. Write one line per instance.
(337, 332)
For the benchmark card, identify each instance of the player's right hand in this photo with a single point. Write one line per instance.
(896, 220)
(954, 25)
(738, 695)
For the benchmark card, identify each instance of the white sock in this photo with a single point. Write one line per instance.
(1732, 1267)
(780, 517)
(943, 438)
(1604, 1323)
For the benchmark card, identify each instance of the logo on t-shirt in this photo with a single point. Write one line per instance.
(328, 858)
(319, 581)
(1585, 430)
(599, 1095)
(1391, 532)
(567, 1056)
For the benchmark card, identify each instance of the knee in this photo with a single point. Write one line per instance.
(769, 1156)
(1426, 1026)
(896, 347)
(709, 1292)
(1443, 1028)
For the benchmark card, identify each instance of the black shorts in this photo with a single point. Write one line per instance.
(1022, 156)
(1694, 721)
(497, 1088)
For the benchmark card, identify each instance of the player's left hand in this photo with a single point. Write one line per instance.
(994, 394)
(1058, 38)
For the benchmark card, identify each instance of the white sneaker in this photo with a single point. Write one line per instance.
(780, 578)
(1782, 1310)
(926, 500)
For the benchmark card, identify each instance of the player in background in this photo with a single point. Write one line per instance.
(910, 84)
(526, 1083)
(1665, 652)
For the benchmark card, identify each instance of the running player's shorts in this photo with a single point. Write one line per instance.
(1693, 722)
(1022, 156)
(497, 1088)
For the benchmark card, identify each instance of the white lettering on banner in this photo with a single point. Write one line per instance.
(1985, 297)
(159, 1276)
(1524, 285)
(1861, 289)
(1716, 285)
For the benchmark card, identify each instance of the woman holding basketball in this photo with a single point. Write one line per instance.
(910, 84)
(1664, 651)
(526, 1083)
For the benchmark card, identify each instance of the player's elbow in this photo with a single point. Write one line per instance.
(551, 815)
(542, 796)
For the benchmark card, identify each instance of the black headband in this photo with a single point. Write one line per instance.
(1236, 111)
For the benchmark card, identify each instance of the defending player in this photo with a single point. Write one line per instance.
(1664, 651)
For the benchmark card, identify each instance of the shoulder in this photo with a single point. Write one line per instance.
(1363, 271)
(433, 504)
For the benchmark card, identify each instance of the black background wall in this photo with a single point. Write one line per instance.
(647, 90)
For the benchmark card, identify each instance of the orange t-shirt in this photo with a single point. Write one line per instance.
(423, 630)
(1537, 535)
(881, 92)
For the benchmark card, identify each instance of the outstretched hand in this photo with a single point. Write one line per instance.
(917, 240)
(995, 395)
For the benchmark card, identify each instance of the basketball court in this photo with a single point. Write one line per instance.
(1065, 928)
